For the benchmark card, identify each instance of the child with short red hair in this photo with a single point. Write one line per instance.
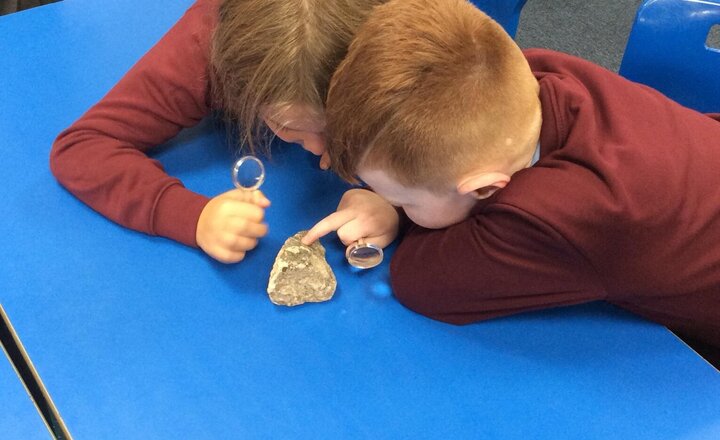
(531, 179)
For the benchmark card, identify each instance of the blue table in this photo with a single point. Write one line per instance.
(18, 418)
(139, 337)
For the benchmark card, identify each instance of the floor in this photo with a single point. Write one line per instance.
(596, 30)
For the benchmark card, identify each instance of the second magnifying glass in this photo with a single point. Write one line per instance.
(364, 255)
(248, 173)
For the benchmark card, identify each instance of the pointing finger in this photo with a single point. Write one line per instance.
(330, 223)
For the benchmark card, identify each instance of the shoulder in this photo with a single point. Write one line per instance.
(191, 36)
(206, 6)
(569, 76)
(551, 61)
(201, 19)
(561, 189)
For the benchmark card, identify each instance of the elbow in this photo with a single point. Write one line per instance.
(431, 290)
(426, 302)
(54, 160)
(412, 299)
(58, 159)
(433, 302)
(416, 292)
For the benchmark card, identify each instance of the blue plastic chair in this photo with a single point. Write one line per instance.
(667, 50)
(505, 12)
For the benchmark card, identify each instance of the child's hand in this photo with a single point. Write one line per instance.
(230, 224)
(360, 214)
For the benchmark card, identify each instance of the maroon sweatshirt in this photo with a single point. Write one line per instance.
(623, 206)
(102, 158)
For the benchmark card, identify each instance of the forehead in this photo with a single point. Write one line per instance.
(297, 116)
(388, 187)
(378, 179)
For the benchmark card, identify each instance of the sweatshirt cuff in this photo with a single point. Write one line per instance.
(176, 214)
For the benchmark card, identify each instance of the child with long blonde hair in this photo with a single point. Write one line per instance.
(265, 64)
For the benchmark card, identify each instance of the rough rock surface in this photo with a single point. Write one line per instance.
(301, 274)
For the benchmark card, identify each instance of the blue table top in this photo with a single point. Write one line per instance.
(140, 337)
(18, 419)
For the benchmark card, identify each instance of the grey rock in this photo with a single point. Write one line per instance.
(301, 274)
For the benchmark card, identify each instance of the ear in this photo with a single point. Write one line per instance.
(482, 185)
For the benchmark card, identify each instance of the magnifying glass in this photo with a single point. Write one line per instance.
(248, 173)
(364, 255)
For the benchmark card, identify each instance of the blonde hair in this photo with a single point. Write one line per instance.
(278, 53)
(427, 89)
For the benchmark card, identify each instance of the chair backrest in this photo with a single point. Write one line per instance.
(505, 12)
(667, 50)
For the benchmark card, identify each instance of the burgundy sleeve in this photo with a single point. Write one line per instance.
(498, 262)
(101, 158)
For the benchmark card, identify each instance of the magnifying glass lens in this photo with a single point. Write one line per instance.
(364, 255)
(248, 173)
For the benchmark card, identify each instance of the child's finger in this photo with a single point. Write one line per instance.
(249, 229)
(227, 256)
(330, 223)
(247, 211)
(260, 199)
(243, 244)
(380, 240)
(255, 197)
(350, 232)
